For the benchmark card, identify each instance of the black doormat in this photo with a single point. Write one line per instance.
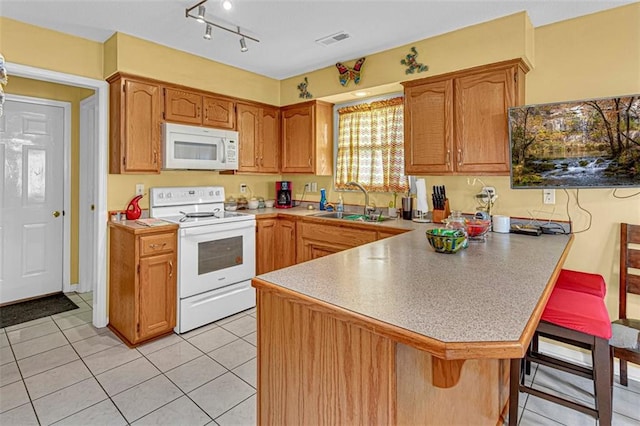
(34, 309)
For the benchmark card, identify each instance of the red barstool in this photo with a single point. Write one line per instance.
(579, 319)
(583, 282)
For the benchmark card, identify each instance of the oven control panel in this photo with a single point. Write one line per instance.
(171, 196)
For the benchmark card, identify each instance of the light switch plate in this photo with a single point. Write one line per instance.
(139, 188)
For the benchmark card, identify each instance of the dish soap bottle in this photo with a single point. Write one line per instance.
(323, 199)
(340, 207)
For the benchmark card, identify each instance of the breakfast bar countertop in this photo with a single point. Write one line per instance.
(482, 302)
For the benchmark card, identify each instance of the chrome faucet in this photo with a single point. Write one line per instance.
(367, 207)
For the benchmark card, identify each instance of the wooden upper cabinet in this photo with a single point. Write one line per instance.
(457, 123)
(135, 125)
(191, 107)
(428, 142)
(259, 135)
(307, 138)
(183, 107)
(270, 148)
(219, 112)
(482, 132)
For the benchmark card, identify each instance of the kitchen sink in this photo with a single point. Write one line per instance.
(351, 217)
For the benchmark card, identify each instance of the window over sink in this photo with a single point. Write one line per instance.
(370, 147)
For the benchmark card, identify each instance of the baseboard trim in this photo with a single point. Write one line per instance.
(583, 358)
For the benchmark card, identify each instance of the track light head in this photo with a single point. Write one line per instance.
(201, 11)
(207, 32)
(227, 5)
(243, 45)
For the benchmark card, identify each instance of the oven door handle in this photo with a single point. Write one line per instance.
(201, 230)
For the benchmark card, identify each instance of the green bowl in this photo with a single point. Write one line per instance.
(446, 240)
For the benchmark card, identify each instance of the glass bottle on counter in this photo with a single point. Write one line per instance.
(456, 221)
(323, 199)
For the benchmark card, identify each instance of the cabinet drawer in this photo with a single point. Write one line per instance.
(160, 243)
(339, 235)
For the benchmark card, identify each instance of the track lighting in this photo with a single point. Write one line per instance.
(200, 17)
(201, 12)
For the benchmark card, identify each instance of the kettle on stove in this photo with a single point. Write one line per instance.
(133, 209)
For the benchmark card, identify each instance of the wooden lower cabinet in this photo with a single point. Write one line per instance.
(142, 281)
(275, 244)
(317, 239)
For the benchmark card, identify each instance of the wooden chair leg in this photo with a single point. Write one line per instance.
(602, 378)
(623, 373)
(514, 385)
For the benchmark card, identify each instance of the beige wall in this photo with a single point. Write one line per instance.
(505, 38)
(26, 44)
(59, 92)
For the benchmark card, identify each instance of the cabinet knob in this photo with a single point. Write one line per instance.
(448, 158)
(170, 269)
(459, 157)
(155, 246)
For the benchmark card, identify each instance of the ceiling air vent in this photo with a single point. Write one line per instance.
(333, 38)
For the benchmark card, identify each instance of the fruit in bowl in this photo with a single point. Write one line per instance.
(446, 240)
(476, 227)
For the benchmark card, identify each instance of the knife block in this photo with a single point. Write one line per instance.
(438, 216)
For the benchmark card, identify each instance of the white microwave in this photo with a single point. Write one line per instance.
(201, 148)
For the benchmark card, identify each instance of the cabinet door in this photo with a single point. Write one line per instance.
(297, 139)
(249, 135)
(142, 120)
(219, 112)
(157, 295)
(429, 128)
(265, 244)
(481, 133)
(270, 140)
(182, 107)
(285, 247)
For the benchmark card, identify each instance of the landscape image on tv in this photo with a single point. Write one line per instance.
(579, 144)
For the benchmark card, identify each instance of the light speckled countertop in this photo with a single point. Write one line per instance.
(486, 293)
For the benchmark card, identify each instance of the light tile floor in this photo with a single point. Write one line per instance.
(61, 370)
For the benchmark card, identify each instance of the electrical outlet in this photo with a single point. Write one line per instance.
(243, 188)
(549, 196)
(139, 188)
(307, 187)
(314, 186)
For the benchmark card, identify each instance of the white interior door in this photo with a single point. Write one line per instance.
(32, 151)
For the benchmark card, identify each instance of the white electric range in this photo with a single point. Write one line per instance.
(216, 253)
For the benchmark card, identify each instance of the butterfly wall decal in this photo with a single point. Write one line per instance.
(346, 73)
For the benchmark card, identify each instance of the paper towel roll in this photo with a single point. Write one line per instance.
(421, 196)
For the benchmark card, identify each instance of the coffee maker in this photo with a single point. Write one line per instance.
(284, 194)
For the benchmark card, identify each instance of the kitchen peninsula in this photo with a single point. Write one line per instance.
(393, 333)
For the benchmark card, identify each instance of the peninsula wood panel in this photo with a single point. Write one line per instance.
(316, 369)
(479, 397)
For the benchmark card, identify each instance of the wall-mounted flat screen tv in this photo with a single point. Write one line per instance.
(594, 143)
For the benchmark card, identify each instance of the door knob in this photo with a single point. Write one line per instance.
(56, 213)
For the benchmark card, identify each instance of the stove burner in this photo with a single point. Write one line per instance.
(198, 215)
